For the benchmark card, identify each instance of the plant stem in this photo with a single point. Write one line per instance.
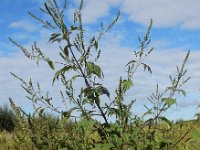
(86, 81)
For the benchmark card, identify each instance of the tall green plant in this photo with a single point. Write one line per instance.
(79, 63)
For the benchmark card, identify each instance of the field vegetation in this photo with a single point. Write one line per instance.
(54, 133)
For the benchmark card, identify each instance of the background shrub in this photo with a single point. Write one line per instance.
(7, 119)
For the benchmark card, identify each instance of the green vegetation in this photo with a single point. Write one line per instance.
(7, 119)
(90, 128)
(75, 135)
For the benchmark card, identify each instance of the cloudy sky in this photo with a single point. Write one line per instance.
(176, 29)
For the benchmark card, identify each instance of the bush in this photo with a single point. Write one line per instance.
(179, 121)
(7, 119)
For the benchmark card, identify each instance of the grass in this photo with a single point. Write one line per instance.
(7, 140)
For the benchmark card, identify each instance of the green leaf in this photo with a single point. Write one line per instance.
(48, 101)
(96, 98)
(127, 84)
(130, 62)
(92, 95)
(75, 77)
(41, 111)
(61, 71)
(148, 112)
(146, 67)
(74, 28)
(66, 52)
(169, 101)
(89, 93)
(54, 37)
(50, 63)
(113, 111)
(67, 114)
(166, 120)
(102, 90)
(93, 69)
(96, 45)
(181, 91)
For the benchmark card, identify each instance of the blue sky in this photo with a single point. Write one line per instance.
(176, 29)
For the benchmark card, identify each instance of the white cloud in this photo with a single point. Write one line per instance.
(114, 55)
(114, 58)
(96, 9)
(184, 13)
(93, 10)
(20, 36)
(22, 24)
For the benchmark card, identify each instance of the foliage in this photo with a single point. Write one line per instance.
(150, 131)
(7, 119)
